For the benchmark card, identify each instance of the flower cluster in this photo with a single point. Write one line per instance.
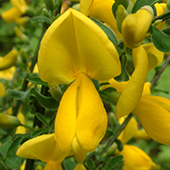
(82, 62)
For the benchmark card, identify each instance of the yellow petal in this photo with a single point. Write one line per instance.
(21, 129)
(136, 159)
(101, 10)
(80, 114)
(11, 14)
(79, 167)
(9, 60)
(85, 6)
(135, 26)
(78, 151)
(155, 56)
(74, 44)
(133, 91)
(92, 117)
(141, 134)
(7, 74)
(129, 131)
(43, 147)
(20, 5)
(160, 8)
(2, 90)
(165, 103)
(154, 119)
(146, 89)
(53, 166)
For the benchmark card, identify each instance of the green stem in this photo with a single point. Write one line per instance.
(120, 129)
(162, 17)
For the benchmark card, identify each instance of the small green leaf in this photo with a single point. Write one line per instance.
(13, 161)
(160, 40)
(96, 84)
(109, 90)
(114, 162)
(140, 3)
(20, 95)
(39, 132)
(111, 35)
(41, 19)
(69, 164)
(46, 102)
(36, 80)
(12, 149)
(42, 119)
(90, 164)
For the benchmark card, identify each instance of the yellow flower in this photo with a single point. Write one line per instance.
(74, 48)
(160, 9)
(145, 58)
(9, 60)
(45, 148)
(136, 159)
(101, 10)
(135, 26)
(19, 8)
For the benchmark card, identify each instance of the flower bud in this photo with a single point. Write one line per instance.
(9, 60)
(9, 121)
(55, 91)
(21, 35)
(135, 26)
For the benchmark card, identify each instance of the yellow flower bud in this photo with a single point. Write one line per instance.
(21, 35)
(9, 121)
(9, 60)
(135, 26)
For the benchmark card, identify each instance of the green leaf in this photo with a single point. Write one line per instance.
(46, 102)
(41, 19)
(39, 132)
(42, 119)
(114, 163)
(160, 40)
(36, 80)
(4, 148)
(69, 164)
(109, 90)
(12, 149)
(20, 95)
(96, 84)
(13, 161)
(140, 3)
(111, 35)
(90, 164)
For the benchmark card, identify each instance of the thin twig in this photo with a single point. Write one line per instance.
(123, 125)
